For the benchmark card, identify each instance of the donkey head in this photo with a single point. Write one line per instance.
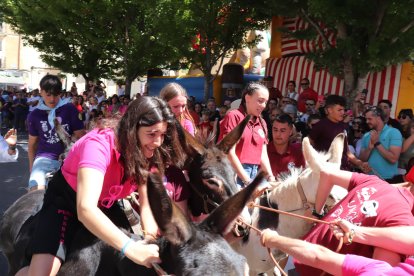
(212, 177)
(199, 249)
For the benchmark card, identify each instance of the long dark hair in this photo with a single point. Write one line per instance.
(147, 111)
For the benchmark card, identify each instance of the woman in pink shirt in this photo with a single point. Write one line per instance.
(103, 166)
(176, 97)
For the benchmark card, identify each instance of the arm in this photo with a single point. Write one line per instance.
(394, 238)
(11, 140)
(364, 166)
(330, 176)
(407, 143)
(32, 148)
(8, 151)
(79, 133)
(307, 253)
(90, 182)
(148, 221)
(365, 150)
(391, 155)
(237, 166)
(385, 255)
(265, 164)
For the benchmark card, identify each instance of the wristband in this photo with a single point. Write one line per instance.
(13, 148)
(351, 235)
(125, 247)
(377, 144)
(316, 214)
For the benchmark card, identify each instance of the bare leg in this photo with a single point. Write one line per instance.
(41, 265)
(39, 187)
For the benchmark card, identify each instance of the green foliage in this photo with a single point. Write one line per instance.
(371, 34)
(98, 39)
(215, 29)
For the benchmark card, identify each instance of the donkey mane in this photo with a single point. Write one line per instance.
(289, 177)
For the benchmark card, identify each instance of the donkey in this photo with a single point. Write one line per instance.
(185, 248)
(211, 176)
(285, 194)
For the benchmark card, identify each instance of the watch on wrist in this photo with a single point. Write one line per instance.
(316, 214)
(377, 144)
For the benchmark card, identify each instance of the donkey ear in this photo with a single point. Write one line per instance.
(223, 215)
(170, 219)
(190, 145)
(233, 136)
(336, 149)
(311, 155)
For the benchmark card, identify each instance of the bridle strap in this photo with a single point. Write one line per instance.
(206, 200)
(302, 193)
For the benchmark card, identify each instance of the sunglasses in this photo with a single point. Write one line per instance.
(304, 84)
(310, 104)
(114, 193)
(402, 116)
(356, 122)
(286, 102)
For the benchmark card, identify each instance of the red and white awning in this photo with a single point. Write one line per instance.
(380, 85)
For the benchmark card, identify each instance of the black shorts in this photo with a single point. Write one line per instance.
(57, 220)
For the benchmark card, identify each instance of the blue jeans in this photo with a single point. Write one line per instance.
(42, 166)
(251, 170)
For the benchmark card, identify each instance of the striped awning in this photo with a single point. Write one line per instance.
(380, 85)
(292, 46)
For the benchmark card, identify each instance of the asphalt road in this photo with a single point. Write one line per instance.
(13, 182)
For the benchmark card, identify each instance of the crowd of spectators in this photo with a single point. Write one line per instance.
(376, 143)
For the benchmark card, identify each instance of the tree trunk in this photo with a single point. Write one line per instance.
(207, 80)
(362, 82)
(349, 78)
(128, 85)
(86, 81)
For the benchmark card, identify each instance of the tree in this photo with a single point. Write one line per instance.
(59, 30)
(112, 39)
(215, 28)
(370, 34)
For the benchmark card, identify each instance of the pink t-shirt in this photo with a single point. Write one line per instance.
(362, 266)
(188, 125)
(97, 150)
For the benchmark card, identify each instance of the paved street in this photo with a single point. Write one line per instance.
(13, 183)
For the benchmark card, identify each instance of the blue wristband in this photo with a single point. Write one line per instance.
(125, 247)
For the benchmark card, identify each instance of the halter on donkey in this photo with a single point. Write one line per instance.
(293, 192)
(210, 172)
